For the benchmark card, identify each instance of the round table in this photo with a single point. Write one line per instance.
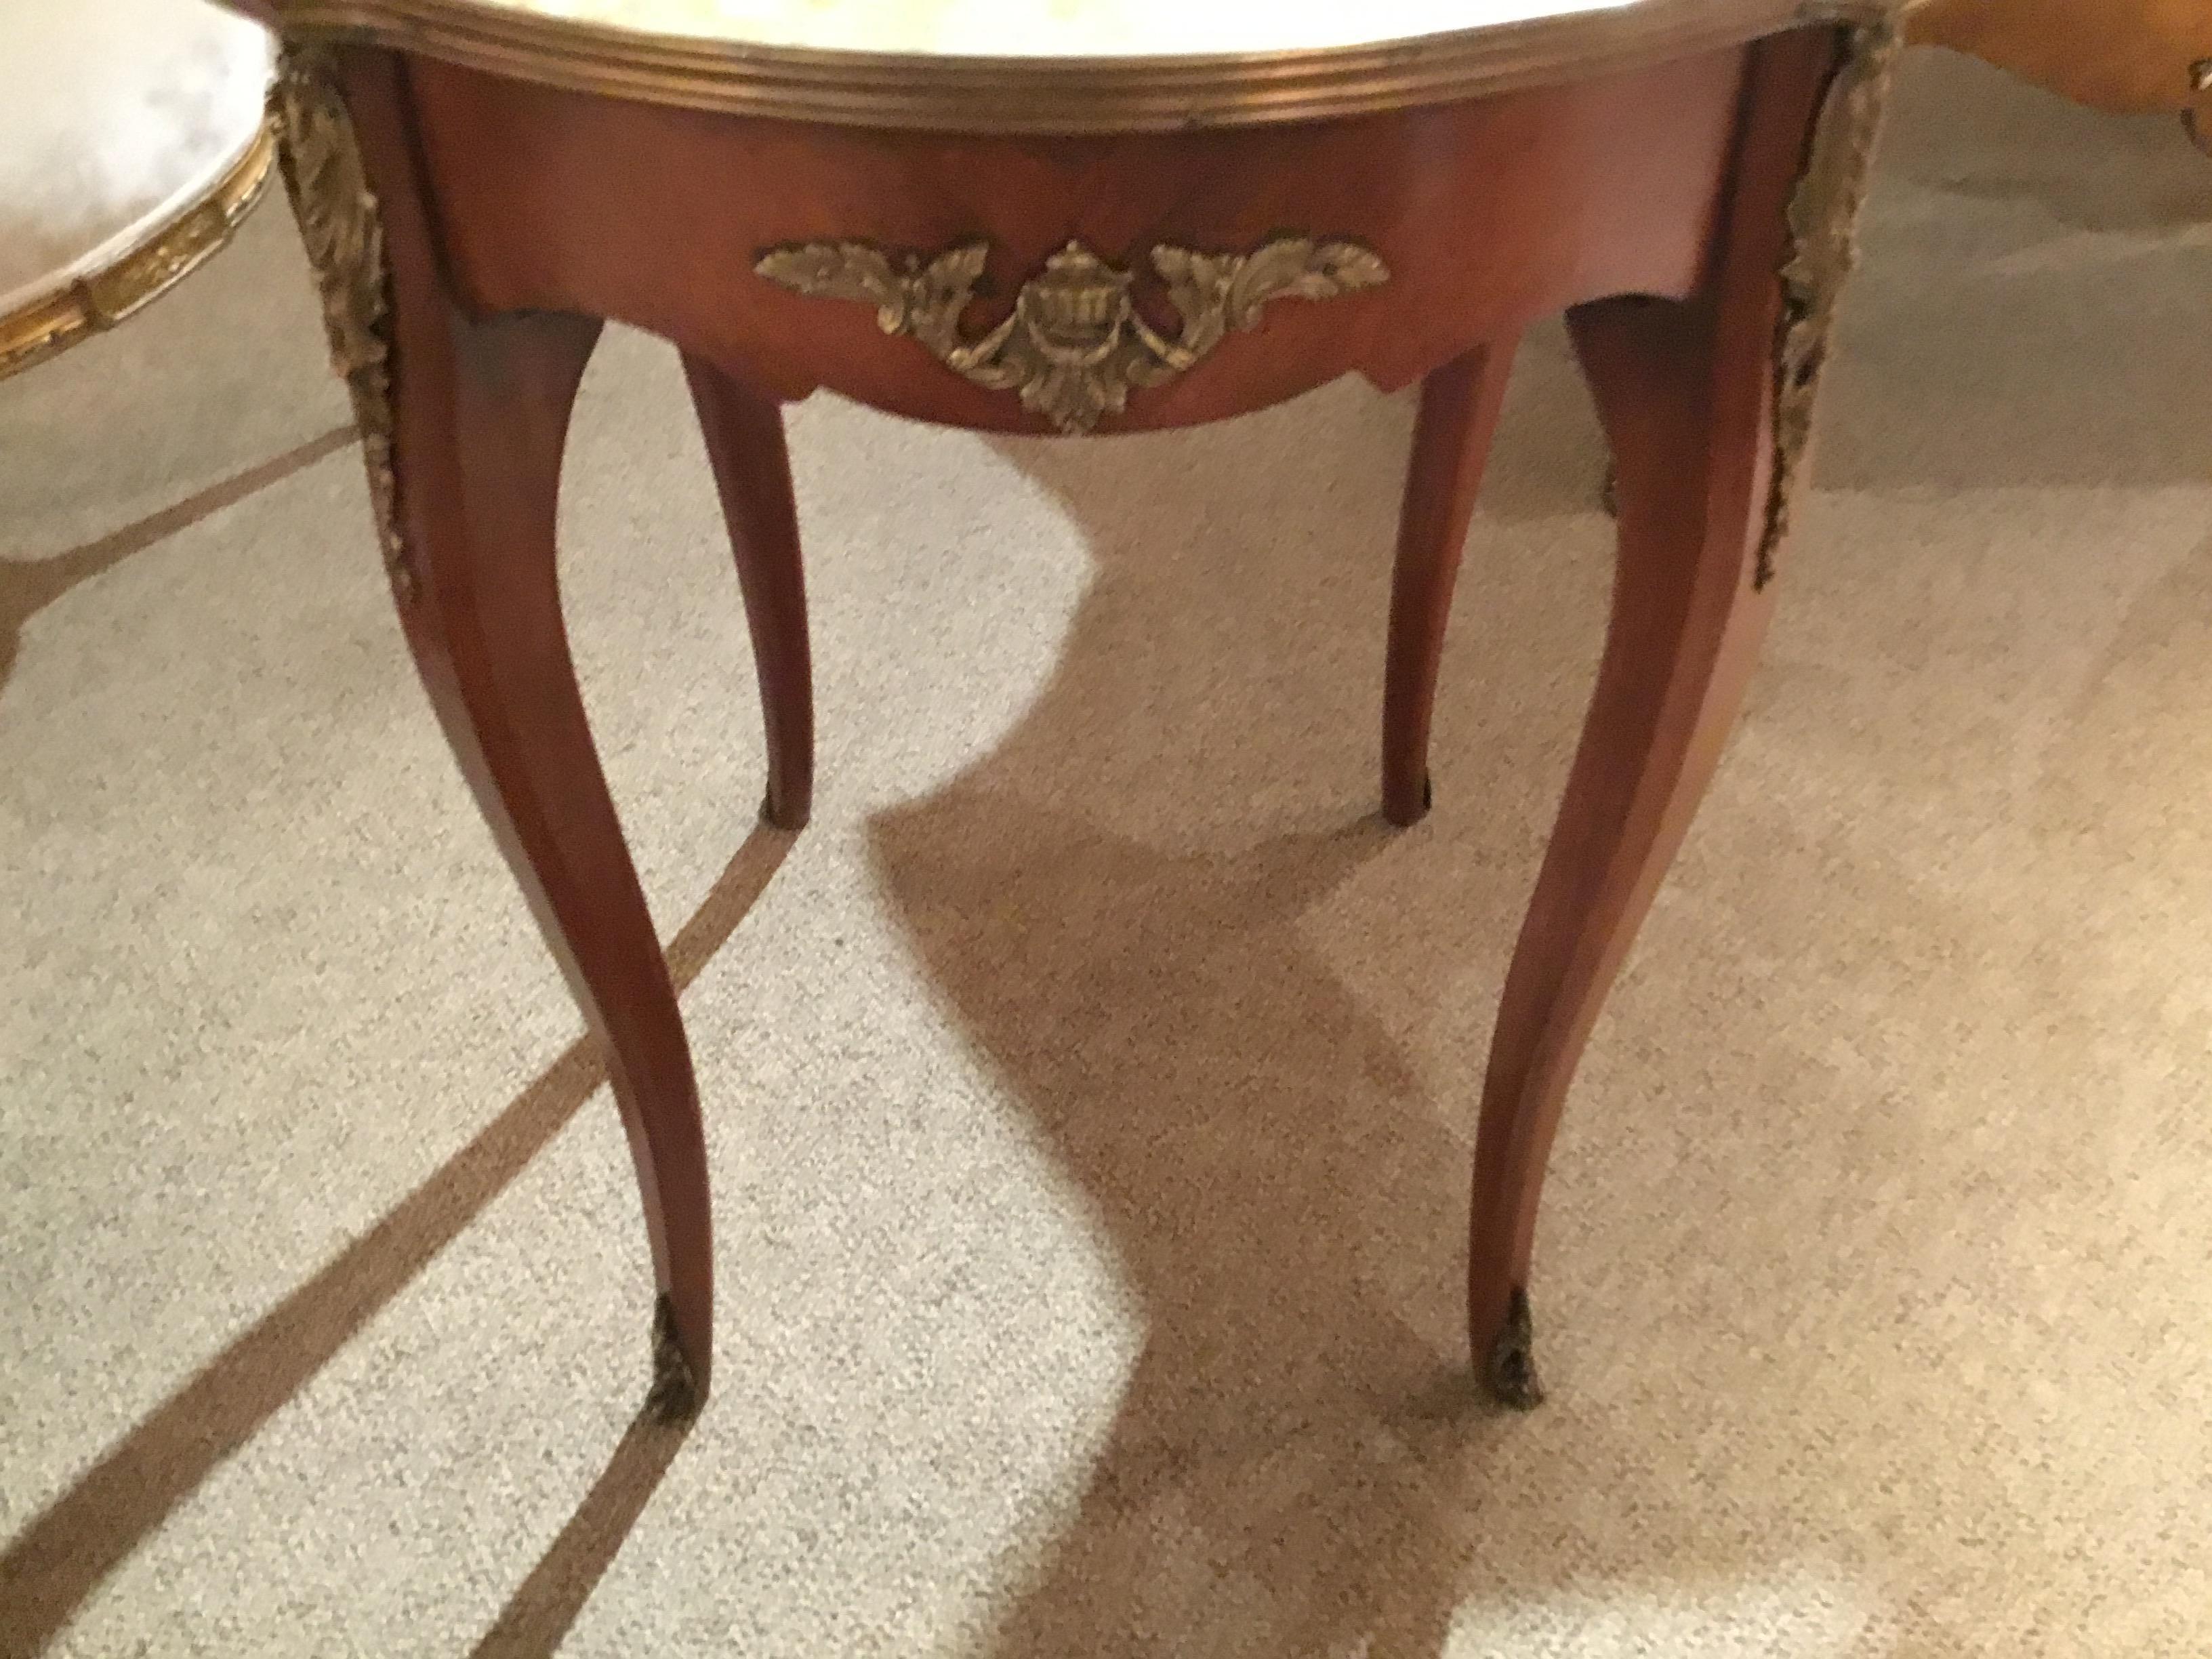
(131, 143)
(1025, 217)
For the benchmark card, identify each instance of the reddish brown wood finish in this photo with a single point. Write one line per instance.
(1686, 392)
(1490, 215)
(752, 472)
(515, 212)
(1460, 403)
(481, 412)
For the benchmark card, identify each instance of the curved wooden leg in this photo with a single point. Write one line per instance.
(1685, 393)
(1460, 403)
(489, 638)
(752, 472)
(480, 413)
(1686, 624)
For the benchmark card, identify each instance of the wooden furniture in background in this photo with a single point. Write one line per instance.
(131, 143)
(2123, 55)
(1012, 217)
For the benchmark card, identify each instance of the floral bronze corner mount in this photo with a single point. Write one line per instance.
(1074, 343)
(344, 233)
(1824, 215)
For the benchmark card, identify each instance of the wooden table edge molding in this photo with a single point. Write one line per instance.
(918, 92)
(431, 146)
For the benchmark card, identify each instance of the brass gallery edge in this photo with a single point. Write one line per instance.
(344, 232)
(151, 267)
(918, 91)
(1073, 344)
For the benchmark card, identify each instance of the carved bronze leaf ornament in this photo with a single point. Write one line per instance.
(1824, 215)
(344, 234)
(1074, 343)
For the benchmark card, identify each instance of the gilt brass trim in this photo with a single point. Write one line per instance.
(674, 1396)
(344, 232)
(166, 254)
(1071, 95)
(1073, 344)
(1823, 214)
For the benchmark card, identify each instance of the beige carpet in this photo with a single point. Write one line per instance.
(1090, 1088)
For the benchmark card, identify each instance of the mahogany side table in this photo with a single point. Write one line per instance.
(1023, 216)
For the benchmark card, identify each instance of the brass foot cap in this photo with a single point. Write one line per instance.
(674, 1395)
(1509, 1371)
